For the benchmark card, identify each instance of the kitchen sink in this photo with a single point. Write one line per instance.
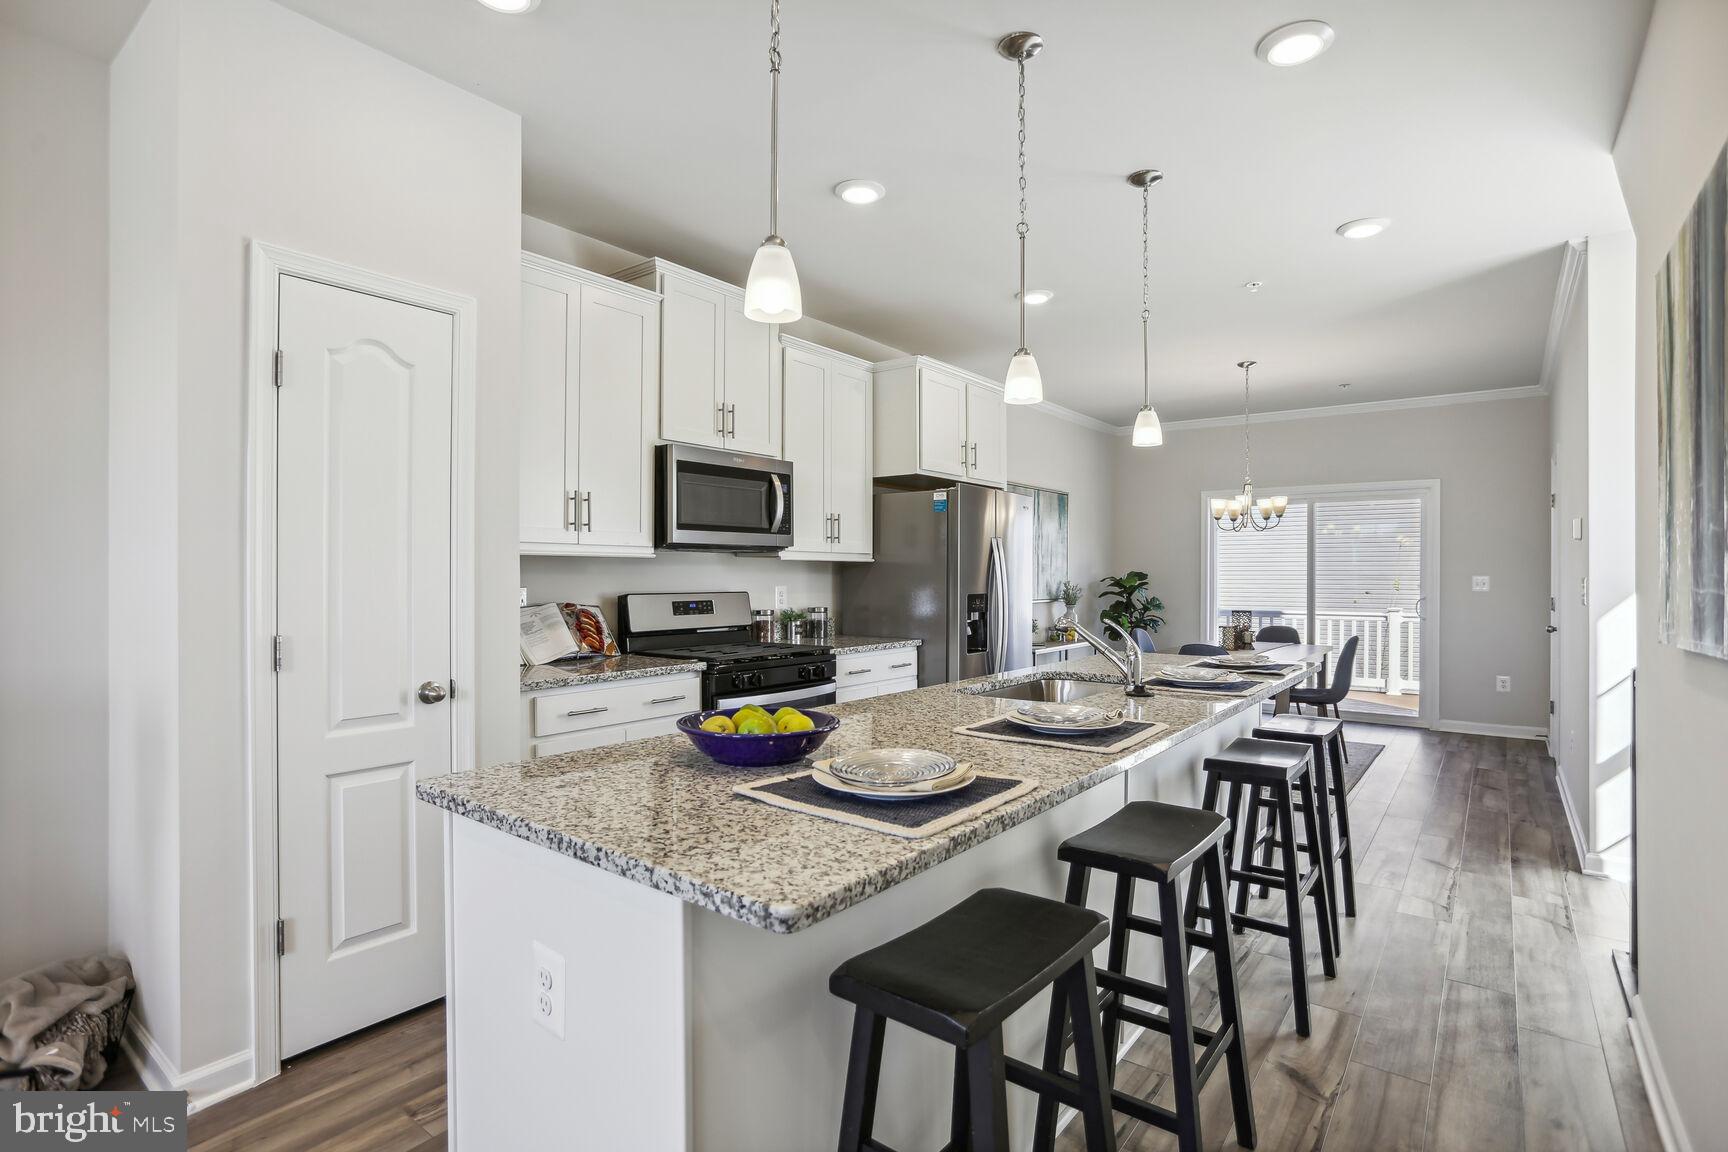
(1053, 689)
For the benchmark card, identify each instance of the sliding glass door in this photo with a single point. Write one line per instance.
(1346, 561)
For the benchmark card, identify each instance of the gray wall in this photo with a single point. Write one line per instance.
(1675, 126)
(1493, 477)
(1047, 451)
(53, 503)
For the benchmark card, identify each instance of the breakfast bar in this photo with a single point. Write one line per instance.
(639, 957)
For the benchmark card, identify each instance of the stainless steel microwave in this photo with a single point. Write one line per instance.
(717, 501)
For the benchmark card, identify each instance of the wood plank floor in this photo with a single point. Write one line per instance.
(1475, 1006)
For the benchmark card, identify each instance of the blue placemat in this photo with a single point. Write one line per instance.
(906, 818)
(1110, 740)
(1240, 688)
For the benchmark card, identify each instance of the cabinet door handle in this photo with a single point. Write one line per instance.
(586, 711)
(859, 671)
(668, 699)
(963, 447)
(571, 518)
(720, 419)
(836, 527)
(908, 664)
(587, 511)
(732, 420)
(974, 453)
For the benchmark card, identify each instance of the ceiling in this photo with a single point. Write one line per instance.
(93, 27)
(1482, 129)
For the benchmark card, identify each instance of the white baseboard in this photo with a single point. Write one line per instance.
(1668, 1124)
(1510, 731)
(1591, 862)
(203, 1086)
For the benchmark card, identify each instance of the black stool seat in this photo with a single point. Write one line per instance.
(1276, 761)
(958, 976)
(1318, 727)
(1147, 840)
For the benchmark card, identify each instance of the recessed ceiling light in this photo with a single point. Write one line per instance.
(859, 191)
(1254, 285)
(1364, 228)
(1037, 296)
(1295, 43)
(511, 7)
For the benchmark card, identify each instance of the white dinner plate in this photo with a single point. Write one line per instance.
(1103, 721)
(881, 768)
(953, 782)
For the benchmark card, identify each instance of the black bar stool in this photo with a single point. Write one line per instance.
(1325, 738)
(1160, 843)
(956, 978)
(1284, 771)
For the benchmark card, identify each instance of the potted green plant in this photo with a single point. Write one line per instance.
(1069, 593)
(1129, 603)
(792, 624)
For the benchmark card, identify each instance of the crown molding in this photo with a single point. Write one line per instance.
(588, 276)
(1051, 408)
(814, 349)
(1441, 401)
(1572, 263)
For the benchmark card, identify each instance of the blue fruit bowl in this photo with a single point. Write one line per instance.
(759, 751)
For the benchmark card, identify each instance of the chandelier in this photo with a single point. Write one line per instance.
(1233, 513)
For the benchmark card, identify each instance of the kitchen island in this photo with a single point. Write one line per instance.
(688, 933)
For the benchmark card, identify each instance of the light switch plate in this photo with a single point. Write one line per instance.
(546, 999)
(522, 597)
(1478, 583)
(1577, 528)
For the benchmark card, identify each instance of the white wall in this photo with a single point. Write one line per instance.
(1569, 441)
(278, 129)
(1048, 451)
(53, 501)
(1493, 477)
(1674, 128)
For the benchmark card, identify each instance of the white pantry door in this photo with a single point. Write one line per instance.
(363, 587)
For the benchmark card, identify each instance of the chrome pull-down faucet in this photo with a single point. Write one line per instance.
(1128, 661)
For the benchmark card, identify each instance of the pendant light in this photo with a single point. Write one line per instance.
(771, 294)
(1023, 385)
(1148, 432)
(1235, 513)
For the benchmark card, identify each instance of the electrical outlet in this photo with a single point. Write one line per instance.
(546, 1001)
(1502, 683)
(779, 596)
(521, 597)
(1478, 583)
(1577, 528)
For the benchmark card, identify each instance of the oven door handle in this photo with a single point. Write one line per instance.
(779, 503)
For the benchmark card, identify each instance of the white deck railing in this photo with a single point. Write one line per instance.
(1388, 657)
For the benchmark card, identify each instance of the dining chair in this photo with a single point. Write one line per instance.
(1202, 650)
(1331, 695)
(1143, 640)
(1278, 634)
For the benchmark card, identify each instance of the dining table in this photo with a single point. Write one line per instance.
(1281, 651)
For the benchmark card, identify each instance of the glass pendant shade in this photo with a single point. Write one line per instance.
(771, 294)
(1023, 385)
(1148, 432)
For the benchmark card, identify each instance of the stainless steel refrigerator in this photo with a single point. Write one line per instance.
(954, 568)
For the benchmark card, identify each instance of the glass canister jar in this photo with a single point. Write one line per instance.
(762, 620)
(818, 626)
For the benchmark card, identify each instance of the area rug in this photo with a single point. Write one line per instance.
(1362, 757)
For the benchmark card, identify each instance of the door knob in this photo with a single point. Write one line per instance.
(431, 692)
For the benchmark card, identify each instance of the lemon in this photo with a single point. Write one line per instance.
(750, 710)
(796, 722)
(785, 712)
(755, 724)
(719, 724)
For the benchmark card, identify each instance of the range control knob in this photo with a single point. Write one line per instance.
(804, 672)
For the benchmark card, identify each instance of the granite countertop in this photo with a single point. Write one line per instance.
(660, 813)
(848, 645)
(572, 673)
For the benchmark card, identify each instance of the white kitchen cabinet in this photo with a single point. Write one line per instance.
(558, 720)
(588, 408)
(935, 420)
(720, 383)
(861, 675)
(827, 437)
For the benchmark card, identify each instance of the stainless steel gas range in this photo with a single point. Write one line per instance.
(715, 628)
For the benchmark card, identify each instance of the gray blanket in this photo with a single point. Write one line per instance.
(57, 1020)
